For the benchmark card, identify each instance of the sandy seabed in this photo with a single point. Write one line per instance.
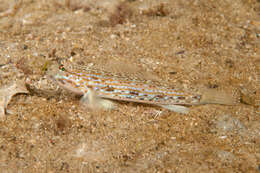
(188, 44)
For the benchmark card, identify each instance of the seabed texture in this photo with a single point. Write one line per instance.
(189, 44)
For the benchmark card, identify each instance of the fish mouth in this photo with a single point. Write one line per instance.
(69, 86)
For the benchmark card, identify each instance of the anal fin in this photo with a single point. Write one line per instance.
(176, 108)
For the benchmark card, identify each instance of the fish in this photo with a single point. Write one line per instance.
(100, 87)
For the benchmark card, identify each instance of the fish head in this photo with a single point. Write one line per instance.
(65, 79)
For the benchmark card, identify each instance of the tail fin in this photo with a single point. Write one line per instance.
(211, 96)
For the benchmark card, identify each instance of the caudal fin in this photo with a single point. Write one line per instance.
(211, 96)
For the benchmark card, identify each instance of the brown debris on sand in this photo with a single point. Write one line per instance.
(13, 10)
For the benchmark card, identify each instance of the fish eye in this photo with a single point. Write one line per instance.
(62, 68)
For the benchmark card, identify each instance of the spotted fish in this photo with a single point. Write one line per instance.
(96, 83)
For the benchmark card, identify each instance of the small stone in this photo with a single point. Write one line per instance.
(247, 99)
(228, 124)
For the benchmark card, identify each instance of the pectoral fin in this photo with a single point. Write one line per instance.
(91, 100)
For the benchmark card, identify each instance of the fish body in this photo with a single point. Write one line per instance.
(105, 85)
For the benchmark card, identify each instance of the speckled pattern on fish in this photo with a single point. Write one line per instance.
(122, 87)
